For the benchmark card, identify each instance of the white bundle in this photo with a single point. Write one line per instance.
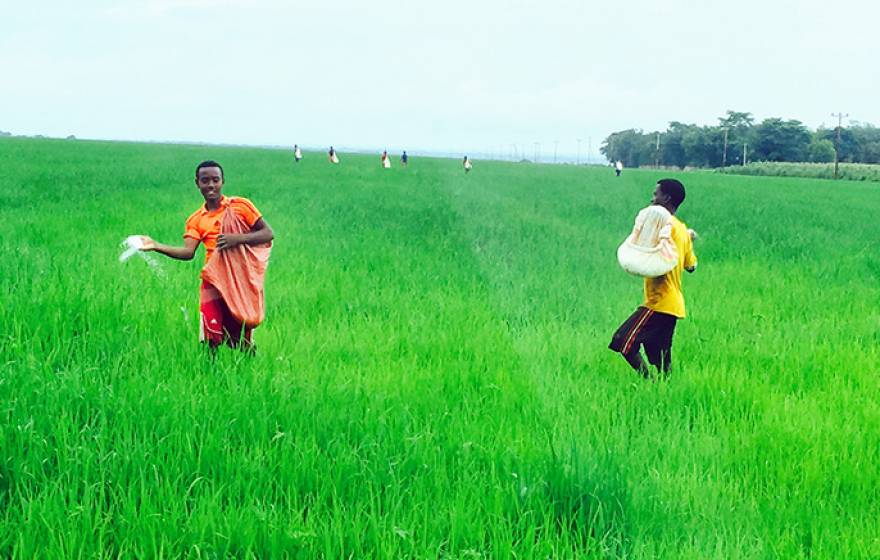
(334, 159)
(386, 163)
(649, 250)
(132, 245)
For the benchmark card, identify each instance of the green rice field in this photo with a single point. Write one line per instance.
(432, 379)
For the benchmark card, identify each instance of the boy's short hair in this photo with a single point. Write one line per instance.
(210, 163)
(673, 189)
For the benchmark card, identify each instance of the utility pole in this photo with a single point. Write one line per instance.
(837, 140)
(745, 153)
(724, 151)
(657, 153)
(555, 148)
(579, 152)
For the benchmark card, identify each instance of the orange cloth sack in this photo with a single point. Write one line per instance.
(238, 273)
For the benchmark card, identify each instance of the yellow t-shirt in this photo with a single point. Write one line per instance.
(663, 294)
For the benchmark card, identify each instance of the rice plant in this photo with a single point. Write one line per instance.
(432, 380)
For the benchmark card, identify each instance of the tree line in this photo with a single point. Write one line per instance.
(737, 140)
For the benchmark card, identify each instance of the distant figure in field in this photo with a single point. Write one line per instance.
(237, 244)
(331, 155)
(297, 153)
(404, 159)
(386, 161)
(653, 323)
(467, 165)
(618, 167)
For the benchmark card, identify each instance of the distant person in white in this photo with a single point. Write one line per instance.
(618, 167)
(386, 161)
(297, 153)
(467, 165)
(331, 155)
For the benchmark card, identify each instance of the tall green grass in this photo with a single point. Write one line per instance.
(432, 380)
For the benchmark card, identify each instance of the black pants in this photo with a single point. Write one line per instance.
(648, 328)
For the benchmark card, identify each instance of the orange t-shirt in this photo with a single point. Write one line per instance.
(204, 224)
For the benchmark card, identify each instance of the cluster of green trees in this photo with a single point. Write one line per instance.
(736, 137)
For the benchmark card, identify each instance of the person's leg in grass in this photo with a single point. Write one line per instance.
(211, 316)
(629, 337)
(634, 359)
(218, 326)
(237, 335)
(658, 348)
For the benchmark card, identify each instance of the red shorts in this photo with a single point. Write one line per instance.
(217, 325)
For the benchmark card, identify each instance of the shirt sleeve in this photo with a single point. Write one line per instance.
(248, 212)
(690, 259)
(191, 229)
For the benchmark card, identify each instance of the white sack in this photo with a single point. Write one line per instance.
(649, 250)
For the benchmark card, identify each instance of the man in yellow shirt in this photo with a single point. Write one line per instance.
(653, 323)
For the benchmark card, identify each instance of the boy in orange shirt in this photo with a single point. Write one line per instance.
(653, 324)
(217, 325)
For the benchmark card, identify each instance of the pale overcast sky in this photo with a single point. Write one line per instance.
(449, 76)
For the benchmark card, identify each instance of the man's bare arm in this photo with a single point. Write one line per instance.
(260, 233)
(184, 253)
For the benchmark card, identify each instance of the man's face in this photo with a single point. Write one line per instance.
(660, 197)
(210, 181)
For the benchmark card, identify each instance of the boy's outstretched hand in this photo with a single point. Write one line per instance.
(147, 243)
